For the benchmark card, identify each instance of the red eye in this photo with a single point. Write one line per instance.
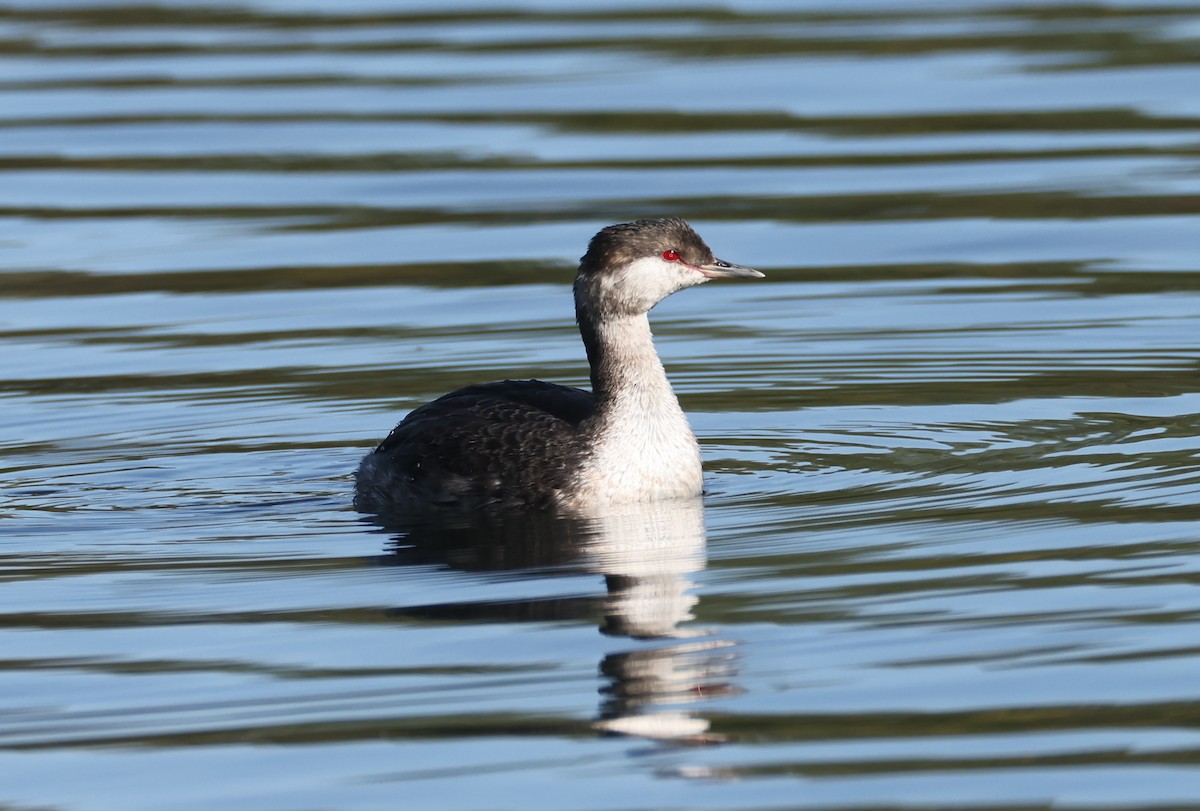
(670, 255)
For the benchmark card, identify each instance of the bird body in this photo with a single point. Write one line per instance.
(531, 444)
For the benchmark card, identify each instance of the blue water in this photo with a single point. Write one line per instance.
(949, 552)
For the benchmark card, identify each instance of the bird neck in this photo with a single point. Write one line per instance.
(627, 375)
(641, 446)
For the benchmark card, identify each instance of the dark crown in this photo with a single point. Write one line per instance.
(626, 242)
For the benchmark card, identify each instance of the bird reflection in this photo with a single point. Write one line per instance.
(647, 553)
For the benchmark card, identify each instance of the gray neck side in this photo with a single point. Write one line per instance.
(626, 370)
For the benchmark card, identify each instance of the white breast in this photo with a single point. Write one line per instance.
(643, 448)
(645, 451)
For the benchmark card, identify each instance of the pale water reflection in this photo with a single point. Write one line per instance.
(648, 554)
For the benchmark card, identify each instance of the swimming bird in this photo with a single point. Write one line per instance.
(531, 444)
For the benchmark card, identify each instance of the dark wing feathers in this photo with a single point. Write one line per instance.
(494, 443)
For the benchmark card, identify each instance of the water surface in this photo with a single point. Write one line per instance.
(948, 555)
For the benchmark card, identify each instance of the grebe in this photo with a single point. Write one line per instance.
(525, 443)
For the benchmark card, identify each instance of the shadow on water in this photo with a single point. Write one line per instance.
(648, 555)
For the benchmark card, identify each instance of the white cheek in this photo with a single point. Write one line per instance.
(651, 279)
